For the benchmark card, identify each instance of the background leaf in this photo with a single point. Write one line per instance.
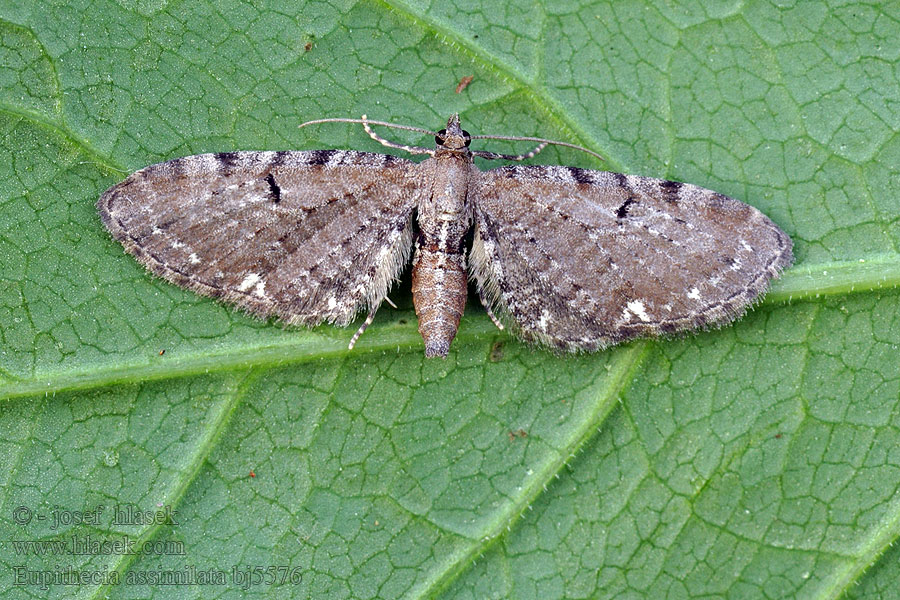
(755, 460)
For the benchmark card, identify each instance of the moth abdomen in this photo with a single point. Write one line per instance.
(439, 296)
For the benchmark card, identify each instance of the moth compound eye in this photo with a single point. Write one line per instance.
(467, 138)
(440, 137)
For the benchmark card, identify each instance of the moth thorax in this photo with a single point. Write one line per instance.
(439, 295)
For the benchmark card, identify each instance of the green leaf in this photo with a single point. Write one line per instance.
(756, 460)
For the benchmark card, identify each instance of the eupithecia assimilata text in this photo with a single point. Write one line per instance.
(572, 258)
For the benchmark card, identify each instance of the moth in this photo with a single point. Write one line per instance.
(572, 258)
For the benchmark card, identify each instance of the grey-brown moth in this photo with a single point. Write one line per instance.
(573, 258)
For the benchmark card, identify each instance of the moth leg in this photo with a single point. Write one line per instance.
(487, 308)
(516, 157)
(369, 318)
(390, 144)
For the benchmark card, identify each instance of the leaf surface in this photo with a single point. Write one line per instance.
(754, 460)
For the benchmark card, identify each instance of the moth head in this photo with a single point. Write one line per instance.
(453, 137)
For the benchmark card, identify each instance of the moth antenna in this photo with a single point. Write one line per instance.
(511, 138)
(366, 122)
(371, 122)
(515, 138)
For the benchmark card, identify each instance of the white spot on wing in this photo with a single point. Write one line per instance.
(249, 281)
(637, 307)
(260, 289)
(337, 158)
(545, 319)
(208, 163)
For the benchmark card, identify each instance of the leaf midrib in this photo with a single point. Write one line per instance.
(801, 283)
